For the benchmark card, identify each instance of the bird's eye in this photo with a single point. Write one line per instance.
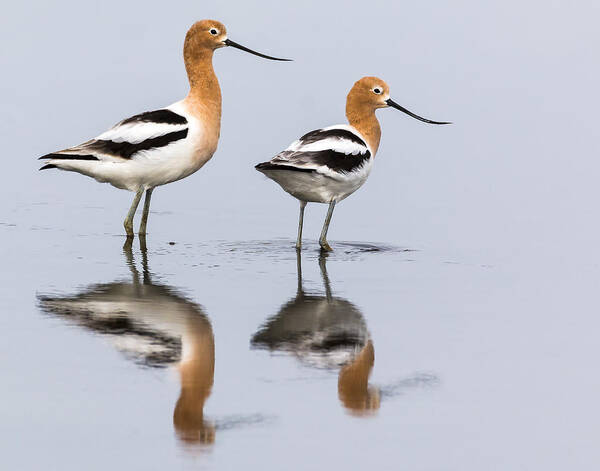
(214, 32)
(377, 91)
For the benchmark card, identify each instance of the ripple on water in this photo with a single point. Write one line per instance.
(232, 252)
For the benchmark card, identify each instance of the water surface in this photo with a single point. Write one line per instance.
(455, 325)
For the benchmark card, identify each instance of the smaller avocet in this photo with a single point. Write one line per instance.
(329, 164)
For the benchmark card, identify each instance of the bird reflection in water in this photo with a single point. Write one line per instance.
(326, 332)
(156, 327)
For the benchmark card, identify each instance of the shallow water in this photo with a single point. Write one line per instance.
(223, 354)
(258, 346)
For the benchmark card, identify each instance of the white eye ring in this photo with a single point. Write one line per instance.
(214, 31)
(377, 91)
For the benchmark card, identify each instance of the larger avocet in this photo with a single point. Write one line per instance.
(329, 164)
(159, 147)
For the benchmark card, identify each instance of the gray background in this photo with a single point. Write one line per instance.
(499, 301)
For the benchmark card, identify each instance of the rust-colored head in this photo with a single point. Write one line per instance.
(205, 35)
(369, 93)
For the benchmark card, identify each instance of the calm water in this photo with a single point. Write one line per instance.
(454, 327)
(225, 354)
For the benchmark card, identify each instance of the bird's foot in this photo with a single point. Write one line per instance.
(128, 228)
(325, 246)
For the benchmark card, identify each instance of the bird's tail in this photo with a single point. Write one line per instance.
(47, 166)
(56, 157)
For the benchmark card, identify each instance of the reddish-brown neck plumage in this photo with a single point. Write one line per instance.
(204, 85)
(204, 97)
(201, 75)
(361, 115)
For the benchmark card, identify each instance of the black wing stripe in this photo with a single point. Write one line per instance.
(320, 134)
(126, 150)
(69, 157)
(335, 161)
(158, 116)
(272, 166)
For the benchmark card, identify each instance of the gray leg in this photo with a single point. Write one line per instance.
(323, 239)
(144, 222)
(129, 219)
(300, 223)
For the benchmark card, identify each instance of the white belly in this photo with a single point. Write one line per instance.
(316, 187)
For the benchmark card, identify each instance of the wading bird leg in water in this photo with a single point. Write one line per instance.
(144, 222)
(323, 239)
(300, 223)
(128, 223)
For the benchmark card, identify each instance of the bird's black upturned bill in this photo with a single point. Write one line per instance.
(229, 42)
(393, 104)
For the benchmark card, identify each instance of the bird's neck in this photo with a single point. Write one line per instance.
(363, 119)
(204, 97)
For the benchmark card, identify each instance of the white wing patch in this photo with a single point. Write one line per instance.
(342, 146)
(136, 132)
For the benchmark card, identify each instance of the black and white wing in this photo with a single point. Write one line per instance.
(333, 151)
(135, 137)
